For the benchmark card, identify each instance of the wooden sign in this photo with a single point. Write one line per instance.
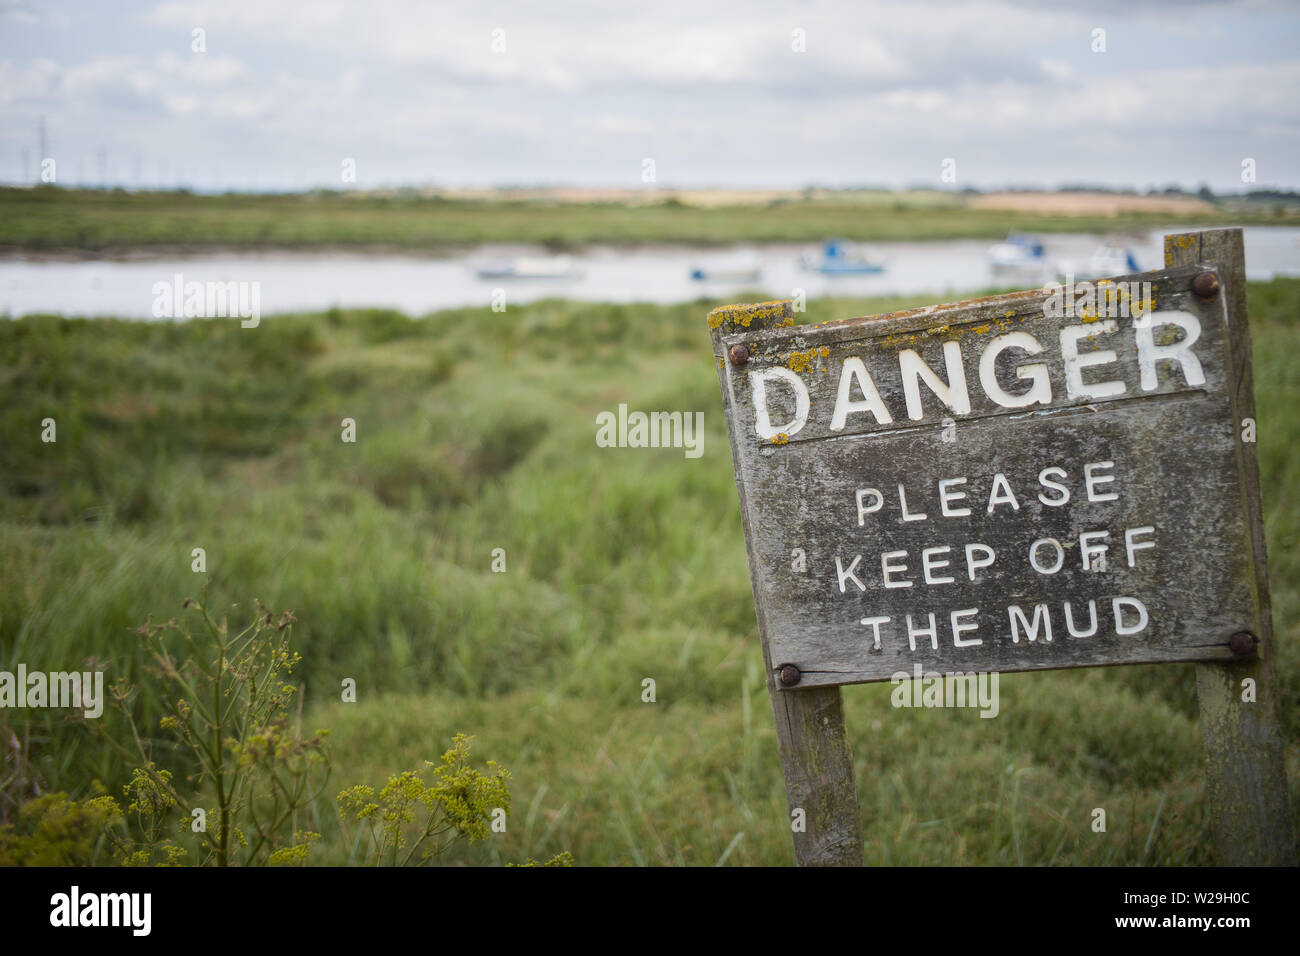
(1055, 478)
(1029, 481)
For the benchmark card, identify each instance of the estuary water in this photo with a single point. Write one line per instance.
(315, 281)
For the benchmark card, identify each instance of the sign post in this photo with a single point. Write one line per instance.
(1047, 479)
(1245, 770)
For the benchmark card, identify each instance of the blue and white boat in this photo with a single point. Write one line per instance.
(1018, 255)
(1111, 259)
(839, 258)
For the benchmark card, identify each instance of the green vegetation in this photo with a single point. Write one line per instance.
(475, 431)
(54, 219)
(225, 697)
(461, 803)
(226, 700)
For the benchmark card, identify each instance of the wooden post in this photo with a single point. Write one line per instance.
(820, 788)
(818, 766)
(1245, 771)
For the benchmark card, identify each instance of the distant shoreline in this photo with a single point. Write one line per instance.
(117, 223)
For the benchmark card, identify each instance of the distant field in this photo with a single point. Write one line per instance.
(476, 431)
(48, 219)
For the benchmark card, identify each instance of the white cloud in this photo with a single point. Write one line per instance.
(616, 124)
(1056, 69)
(922, 101)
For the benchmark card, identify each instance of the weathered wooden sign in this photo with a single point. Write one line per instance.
(1047, 479)
(1018, 483)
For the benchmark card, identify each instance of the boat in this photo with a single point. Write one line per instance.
(1019, 254)
(530, 267)
(840, 258)
(736, 269)
(1111, 259)
(725, 275)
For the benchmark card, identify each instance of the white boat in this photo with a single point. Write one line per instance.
(1019, 253)
(530, 267)
(1110, 259)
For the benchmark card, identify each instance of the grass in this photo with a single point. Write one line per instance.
(475, 431)
(50, 219)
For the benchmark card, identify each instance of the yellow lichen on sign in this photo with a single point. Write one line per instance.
(744, 315)
(803, 361)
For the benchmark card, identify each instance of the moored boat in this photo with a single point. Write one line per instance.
(1018, 253)
(1112, 258)
(530, 267)
(746, 268)
(838, 258)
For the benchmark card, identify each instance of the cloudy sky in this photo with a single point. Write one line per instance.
(720, 93)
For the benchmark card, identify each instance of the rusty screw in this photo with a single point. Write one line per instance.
(738, 354)
(1205, 285)
(1243, 643)
(789, 675)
